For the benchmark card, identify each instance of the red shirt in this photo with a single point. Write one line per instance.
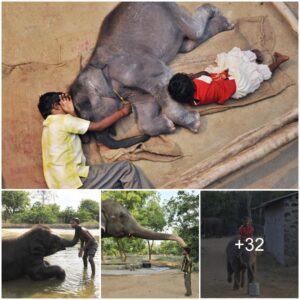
(218, 91)
(246, 231)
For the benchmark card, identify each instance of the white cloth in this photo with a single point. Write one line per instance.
(242, 66)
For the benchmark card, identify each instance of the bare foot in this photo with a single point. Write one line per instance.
(259, 56)
(280, 58)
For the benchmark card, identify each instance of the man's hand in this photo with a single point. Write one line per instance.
(126, 109)
(80, 252)
(67, 105)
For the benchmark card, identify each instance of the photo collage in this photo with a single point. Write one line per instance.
(149, 150)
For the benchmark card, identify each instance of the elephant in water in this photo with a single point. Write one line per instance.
(136, 42)
(116, 221)
(24, 255)
(238, 261)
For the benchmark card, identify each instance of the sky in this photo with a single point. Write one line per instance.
(72, 198)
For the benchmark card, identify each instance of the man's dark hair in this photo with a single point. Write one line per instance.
(47, 102)
(182, 88)
(187, 249)
(76, 220)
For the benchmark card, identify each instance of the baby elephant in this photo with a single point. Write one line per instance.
(24, 256)
(238, 261)
(136, 43)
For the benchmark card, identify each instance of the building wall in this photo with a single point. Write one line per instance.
(291, 230)
(274, 231)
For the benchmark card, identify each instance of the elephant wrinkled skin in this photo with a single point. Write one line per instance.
(24, 255)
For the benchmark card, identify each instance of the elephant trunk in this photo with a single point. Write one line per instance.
(152, 235)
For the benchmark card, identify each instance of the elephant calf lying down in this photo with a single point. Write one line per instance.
(136, 43)
(24, 255)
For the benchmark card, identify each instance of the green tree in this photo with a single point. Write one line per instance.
(67, 214)
(13, 202)
(90, 206)
(183, 216)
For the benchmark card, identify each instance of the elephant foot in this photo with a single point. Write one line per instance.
(211, 10)
(184, 118)
(224, 23)
(159, 125)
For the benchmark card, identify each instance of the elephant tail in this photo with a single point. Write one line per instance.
(107, 140)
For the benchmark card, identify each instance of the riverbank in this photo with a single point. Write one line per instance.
(56, 226)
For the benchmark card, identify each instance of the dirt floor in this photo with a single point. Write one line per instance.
(162, 285)
(48, 40)
(275, 280)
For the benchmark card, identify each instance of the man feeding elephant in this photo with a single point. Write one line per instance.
(64, 163)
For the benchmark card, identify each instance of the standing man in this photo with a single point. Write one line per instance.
(88, 244)
(186, 268)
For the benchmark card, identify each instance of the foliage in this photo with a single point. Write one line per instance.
(183, 215)
(231, 206)
(17, 209)
(13, 202)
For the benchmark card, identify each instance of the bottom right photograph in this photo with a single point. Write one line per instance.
(249, 244)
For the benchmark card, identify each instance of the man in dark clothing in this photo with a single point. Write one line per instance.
(186, 268)
(88, 244)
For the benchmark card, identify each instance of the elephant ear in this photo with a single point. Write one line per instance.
(103, 223)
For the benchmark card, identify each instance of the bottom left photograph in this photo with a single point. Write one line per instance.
(52, 235)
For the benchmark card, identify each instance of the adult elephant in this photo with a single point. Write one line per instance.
(238, 262)
(116, 221)
(24, 255)
(136, 42)
(212, 227)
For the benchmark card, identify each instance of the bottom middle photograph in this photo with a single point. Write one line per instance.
(150, 244)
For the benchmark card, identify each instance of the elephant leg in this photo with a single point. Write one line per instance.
(149, 117)
(237, 279)
(44, 271)
(192, 25)
(152, 76)
(242, 277)
(214, 26)
(229, 272)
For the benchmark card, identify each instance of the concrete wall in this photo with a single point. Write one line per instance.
(274, 231)
(291, 230)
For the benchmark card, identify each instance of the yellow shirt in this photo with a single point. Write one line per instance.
(63, 159)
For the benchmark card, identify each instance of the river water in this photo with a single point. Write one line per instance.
(78, 282)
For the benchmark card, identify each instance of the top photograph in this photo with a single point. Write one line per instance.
(145, 95)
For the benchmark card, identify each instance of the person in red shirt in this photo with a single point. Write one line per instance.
(246, 230)
(236, 74)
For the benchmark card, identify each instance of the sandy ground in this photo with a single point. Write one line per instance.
(62, 31)
(275, 280)
(164, 285)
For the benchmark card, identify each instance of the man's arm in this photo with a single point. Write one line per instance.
(196, 75)
(106, 122)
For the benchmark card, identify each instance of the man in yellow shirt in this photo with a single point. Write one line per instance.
(64, 163)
